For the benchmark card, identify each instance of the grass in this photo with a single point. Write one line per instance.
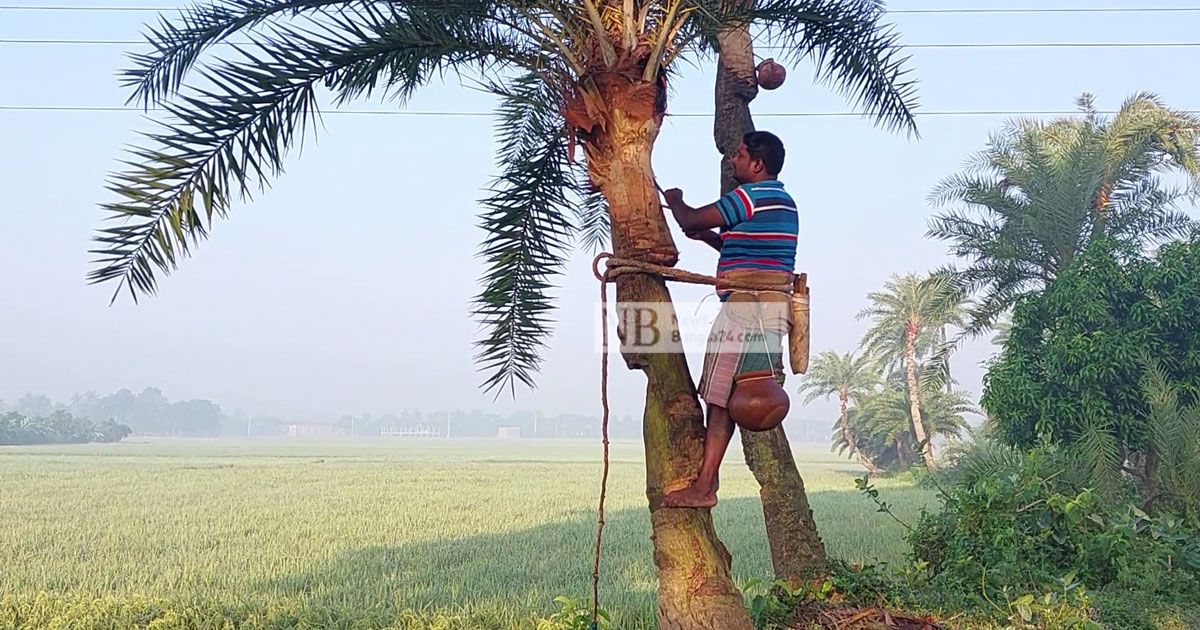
(482, 530)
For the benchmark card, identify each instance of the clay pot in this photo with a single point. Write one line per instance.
(758, 402)
(770, 74)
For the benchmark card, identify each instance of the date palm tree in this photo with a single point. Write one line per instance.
(850, 378)
(882, 424)
(1040, 192)
(568, 74)
(908, 322)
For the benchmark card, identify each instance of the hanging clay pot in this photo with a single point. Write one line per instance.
(770, 75)
(758, 402)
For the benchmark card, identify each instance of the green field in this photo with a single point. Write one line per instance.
(486, 532)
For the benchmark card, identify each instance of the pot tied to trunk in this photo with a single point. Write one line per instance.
(770, 75)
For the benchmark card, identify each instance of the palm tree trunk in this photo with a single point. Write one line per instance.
(696, 589)
(914, 395)
(949, 377)
(736, 86)
(844, 423)
(796, 547)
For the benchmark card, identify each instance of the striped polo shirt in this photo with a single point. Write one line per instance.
(760, 228)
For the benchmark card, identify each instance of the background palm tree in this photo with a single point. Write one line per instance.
(848, 377)
(908, 320)
(1040, 192)
(567, 73)
(883, 426)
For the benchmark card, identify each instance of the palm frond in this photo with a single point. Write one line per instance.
(223, 142)
(1097, 449)
(528, 237)
(178, 46)
(1174, 437)
(853, 51)
(591, 214)
(983, 459)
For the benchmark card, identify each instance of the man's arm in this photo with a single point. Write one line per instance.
(708, 236)
(692, 219)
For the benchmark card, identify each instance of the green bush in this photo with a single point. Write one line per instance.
(1107, 361)
(1018, 529)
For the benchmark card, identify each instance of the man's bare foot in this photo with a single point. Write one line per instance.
(691, 496)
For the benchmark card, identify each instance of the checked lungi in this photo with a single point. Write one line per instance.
(747, 335)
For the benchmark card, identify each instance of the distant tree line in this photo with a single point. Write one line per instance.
(151, 413)
(59, 427)
(147, 413)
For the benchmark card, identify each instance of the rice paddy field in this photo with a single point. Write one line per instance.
(419, 533)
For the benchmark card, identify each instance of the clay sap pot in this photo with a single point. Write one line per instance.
(758, 402)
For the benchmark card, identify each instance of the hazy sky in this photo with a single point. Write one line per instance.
(346, 287)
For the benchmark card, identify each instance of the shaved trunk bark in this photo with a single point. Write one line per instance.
(736, 87)
(796, 548)
(844, 423)
(914, 396)
(696, 589)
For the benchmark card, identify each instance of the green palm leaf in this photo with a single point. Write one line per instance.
(1041, 192)
(529, 235)
(228, 140)
(852, 51)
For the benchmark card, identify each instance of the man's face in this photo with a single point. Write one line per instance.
(745, 168)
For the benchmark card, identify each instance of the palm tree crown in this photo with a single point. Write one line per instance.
(882, 422)
(850, 378)
(909, 320)
(1042, 191)
(909, 304)
(833, 374)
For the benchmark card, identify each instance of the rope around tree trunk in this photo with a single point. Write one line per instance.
(614, 268)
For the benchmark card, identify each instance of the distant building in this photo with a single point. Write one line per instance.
(409, 432)
(508, 433)
(311, 430)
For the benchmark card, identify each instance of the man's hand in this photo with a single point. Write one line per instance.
(691, 219)
(673, 197)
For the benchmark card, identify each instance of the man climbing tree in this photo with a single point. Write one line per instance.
(759, 226)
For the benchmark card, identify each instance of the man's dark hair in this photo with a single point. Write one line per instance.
(765, 146)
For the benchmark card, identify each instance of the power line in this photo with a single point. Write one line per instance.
(963, 11)
(136, 42)
(472, 114)
(984, 11)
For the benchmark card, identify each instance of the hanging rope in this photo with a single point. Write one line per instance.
(614, 268)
